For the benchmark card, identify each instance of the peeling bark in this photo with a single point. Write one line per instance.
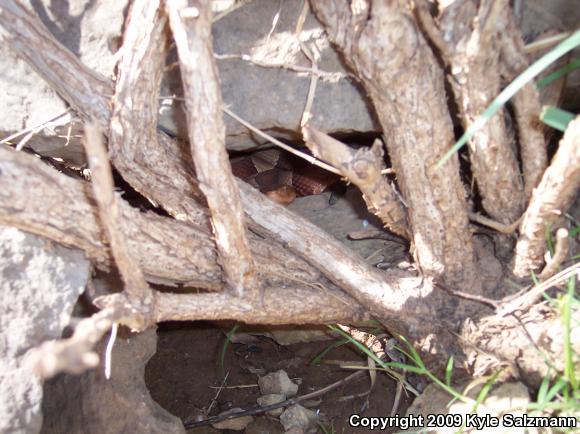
(472, 36)
(389, 55)
(550, 200)
(207, 135)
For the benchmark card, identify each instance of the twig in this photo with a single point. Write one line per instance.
(313, 57)
(109, 350)
(363, 168)
(138, 292)
(75, 354)
(475, 298)
(260, 410)
(219, 390)
(529, 296)
(309, 158)
(490, 223)
(543, 43)
(34, 129)
(321, 74)
(560, 253)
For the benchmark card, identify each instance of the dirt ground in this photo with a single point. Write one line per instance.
(184, 373)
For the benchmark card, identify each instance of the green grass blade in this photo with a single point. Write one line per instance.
(543, 390)
(316, 360)
(566, 69)
(520, 81)
(225, 347)
(556, 118)
(449, 371)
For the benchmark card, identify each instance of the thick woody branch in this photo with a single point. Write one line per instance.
(398, 301)
(38, 199)
(550, 200)
(383, 45)
(475, 68)
(363, 168)
(139, 294)
(148, 160)
(191, 26)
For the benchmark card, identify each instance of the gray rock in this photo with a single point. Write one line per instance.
(90, 403)
(277, 383)
(273, 98)
(298, 417)
(40, 282)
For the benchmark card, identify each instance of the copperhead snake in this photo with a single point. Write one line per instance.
(281, 175)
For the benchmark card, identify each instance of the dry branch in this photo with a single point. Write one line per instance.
(75, 354)
(560, 254)
(154, 165)
(406, 85)
(38, 199)
(527, 107)
(550, 200)
(87, 91)
(475, 68)
(363, 168)
(191, 26)
(406, 305)
(138, 292)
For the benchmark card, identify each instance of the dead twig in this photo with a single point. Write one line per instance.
(560, 253)
(362, 167)
(497, 226)
(261, 410)
(138, 292)
(528, 296)
(74, 355)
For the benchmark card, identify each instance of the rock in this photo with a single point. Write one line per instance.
(264, 425)
(40, 282)
(237, 424)
(277, 383)
(273, 99)
(299, 417)
(274, 398)
(270, 98)
(90, 403)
